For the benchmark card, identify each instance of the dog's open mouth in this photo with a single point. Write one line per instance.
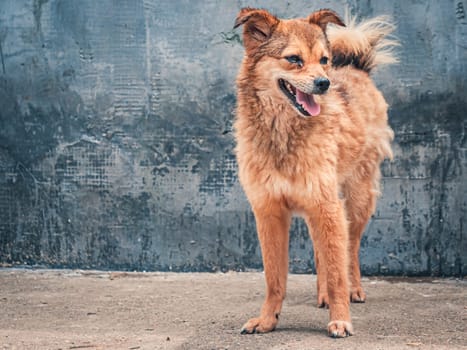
(304, 103)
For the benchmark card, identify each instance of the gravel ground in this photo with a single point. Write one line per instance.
(70, 309)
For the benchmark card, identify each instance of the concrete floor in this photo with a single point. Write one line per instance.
(68, 309)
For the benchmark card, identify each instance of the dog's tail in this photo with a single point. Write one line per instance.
(363, 45)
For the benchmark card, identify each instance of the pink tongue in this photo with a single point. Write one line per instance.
(308, 102)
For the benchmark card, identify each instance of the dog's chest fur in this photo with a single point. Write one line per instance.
(282, 153)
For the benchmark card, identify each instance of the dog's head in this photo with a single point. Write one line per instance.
(290, 58)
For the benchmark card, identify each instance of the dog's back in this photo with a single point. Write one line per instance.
(358, 49)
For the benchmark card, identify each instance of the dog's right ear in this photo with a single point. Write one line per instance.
(259, 25)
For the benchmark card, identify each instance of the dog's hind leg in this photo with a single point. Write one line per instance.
(272, 223)
(360, 202)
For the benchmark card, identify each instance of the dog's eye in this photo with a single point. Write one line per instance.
(323, 60)
(294, 59)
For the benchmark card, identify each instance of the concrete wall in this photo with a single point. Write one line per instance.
(116, 137)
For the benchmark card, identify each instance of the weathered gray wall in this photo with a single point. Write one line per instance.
(116, 137)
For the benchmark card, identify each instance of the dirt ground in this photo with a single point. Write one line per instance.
(69, 309)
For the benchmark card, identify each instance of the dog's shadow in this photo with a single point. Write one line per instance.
(303, 329)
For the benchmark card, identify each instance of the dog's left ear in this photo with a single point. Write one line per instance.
(325, 16)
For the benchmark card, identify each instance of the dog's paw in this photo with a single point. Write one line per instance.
(357, 295)
(340, 329)
(259, 325)
(323, 301)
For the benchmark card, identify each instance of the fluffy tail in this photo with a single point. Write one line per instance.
(363, 45)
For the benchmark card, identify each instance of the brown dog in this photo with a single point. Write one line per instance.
(311, 131)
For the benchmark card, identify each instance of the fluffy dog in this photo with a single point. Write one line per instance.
(311, 131)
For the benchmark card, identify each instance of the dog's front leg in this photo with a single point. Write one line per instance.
(330, 237)
(272, 223)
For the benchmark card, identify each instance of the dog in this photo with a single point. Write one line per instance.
(311, 130)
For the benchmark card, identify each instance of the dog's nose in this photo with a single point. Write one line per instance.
(321, 84)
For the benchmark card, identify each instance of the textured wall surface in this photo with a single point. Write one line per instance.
(116, 146)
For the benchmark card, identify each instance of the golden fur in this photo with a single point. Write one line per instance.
(324, 166)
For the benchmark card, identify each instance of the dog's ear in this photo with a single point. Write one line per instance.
(259, 25)
(325, 16)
